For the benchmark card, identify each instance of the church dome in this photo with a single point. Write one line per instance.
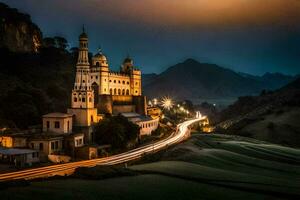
(100, 57)
(128, 60)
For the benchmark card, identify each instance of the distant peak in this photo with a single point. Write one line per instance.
(190, 60)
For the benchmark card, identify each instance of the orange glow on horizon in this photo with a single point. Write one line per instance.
(194, 13)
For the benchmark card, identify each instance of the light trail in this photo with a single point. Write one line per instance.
(66, 169)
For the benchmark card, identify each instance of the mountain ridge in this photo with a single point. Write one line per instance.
(194, 80)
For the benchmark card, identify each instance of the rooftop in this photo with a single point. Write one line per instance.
(135, 117)
(58, 115)
(13, 151)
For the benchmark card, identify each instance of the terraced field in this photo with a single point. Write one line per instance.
(205, 167)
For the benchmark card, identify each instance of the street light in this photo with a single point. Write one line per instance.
(167, 103)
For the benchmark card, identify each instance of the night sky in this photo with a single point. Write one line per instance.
(253, 36)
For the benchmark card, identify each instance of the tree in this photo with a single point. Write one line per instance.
(61, 42)
(49, 42)
(116, 131)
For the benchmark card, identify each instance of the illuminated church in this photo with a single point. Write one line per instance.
(98, 90)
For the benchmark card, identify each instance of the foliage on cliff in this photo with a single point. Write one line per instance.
(17, 32)
(34, 84)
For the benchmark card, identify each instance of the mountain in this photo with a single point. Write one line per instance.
(148, 78)
(271, 116)
(194, 80)
(276, 80)
(17, 32)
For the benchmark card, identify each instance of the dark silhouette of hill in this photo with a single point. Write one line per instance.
(194, 80)
(271, 116)
(32, 83)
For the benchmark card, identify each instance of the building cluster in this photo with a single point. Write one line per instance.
(97, 91)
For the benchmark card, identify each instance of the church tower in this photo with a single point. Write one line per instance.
(100, 61)
(82, 99)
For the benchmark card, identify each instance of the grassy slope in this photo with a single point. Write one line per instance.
(205, 167)
(284, 130)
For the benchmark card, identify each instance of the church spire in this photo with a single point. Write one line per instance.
(83, 29)
(83, 59)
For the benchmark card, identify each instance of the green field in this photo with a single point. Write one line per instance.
(205, 167)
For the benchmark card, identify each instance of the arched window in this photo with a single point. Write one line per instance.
(123, 82)
(83, 99)
(110, 91)
(123, 92)
(90, 99)
(97, 64)
(115, 91)
(75, 99)
(127, 92)
(119, 91)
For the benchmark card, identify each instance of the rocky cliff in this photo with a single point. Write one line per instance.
(17, 32)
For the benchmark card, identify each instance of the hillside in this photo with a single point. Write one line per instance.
(31, 83)
(204, 167)
(272, 116)
(17, 32)
(194, 80)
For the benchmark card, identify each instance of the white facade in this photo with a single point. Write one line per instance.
(58, 123)
(148, 126)
(126, 82)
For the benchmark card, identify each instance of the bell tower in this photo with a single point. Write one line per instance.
(82, 99)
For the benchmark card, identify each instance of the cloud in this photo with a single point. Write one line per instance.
(194, 13)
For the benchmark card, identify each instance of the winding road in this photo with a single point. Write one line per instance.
(68, 168)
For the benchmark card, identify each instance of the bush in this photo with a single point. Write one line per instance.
(116, 131)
